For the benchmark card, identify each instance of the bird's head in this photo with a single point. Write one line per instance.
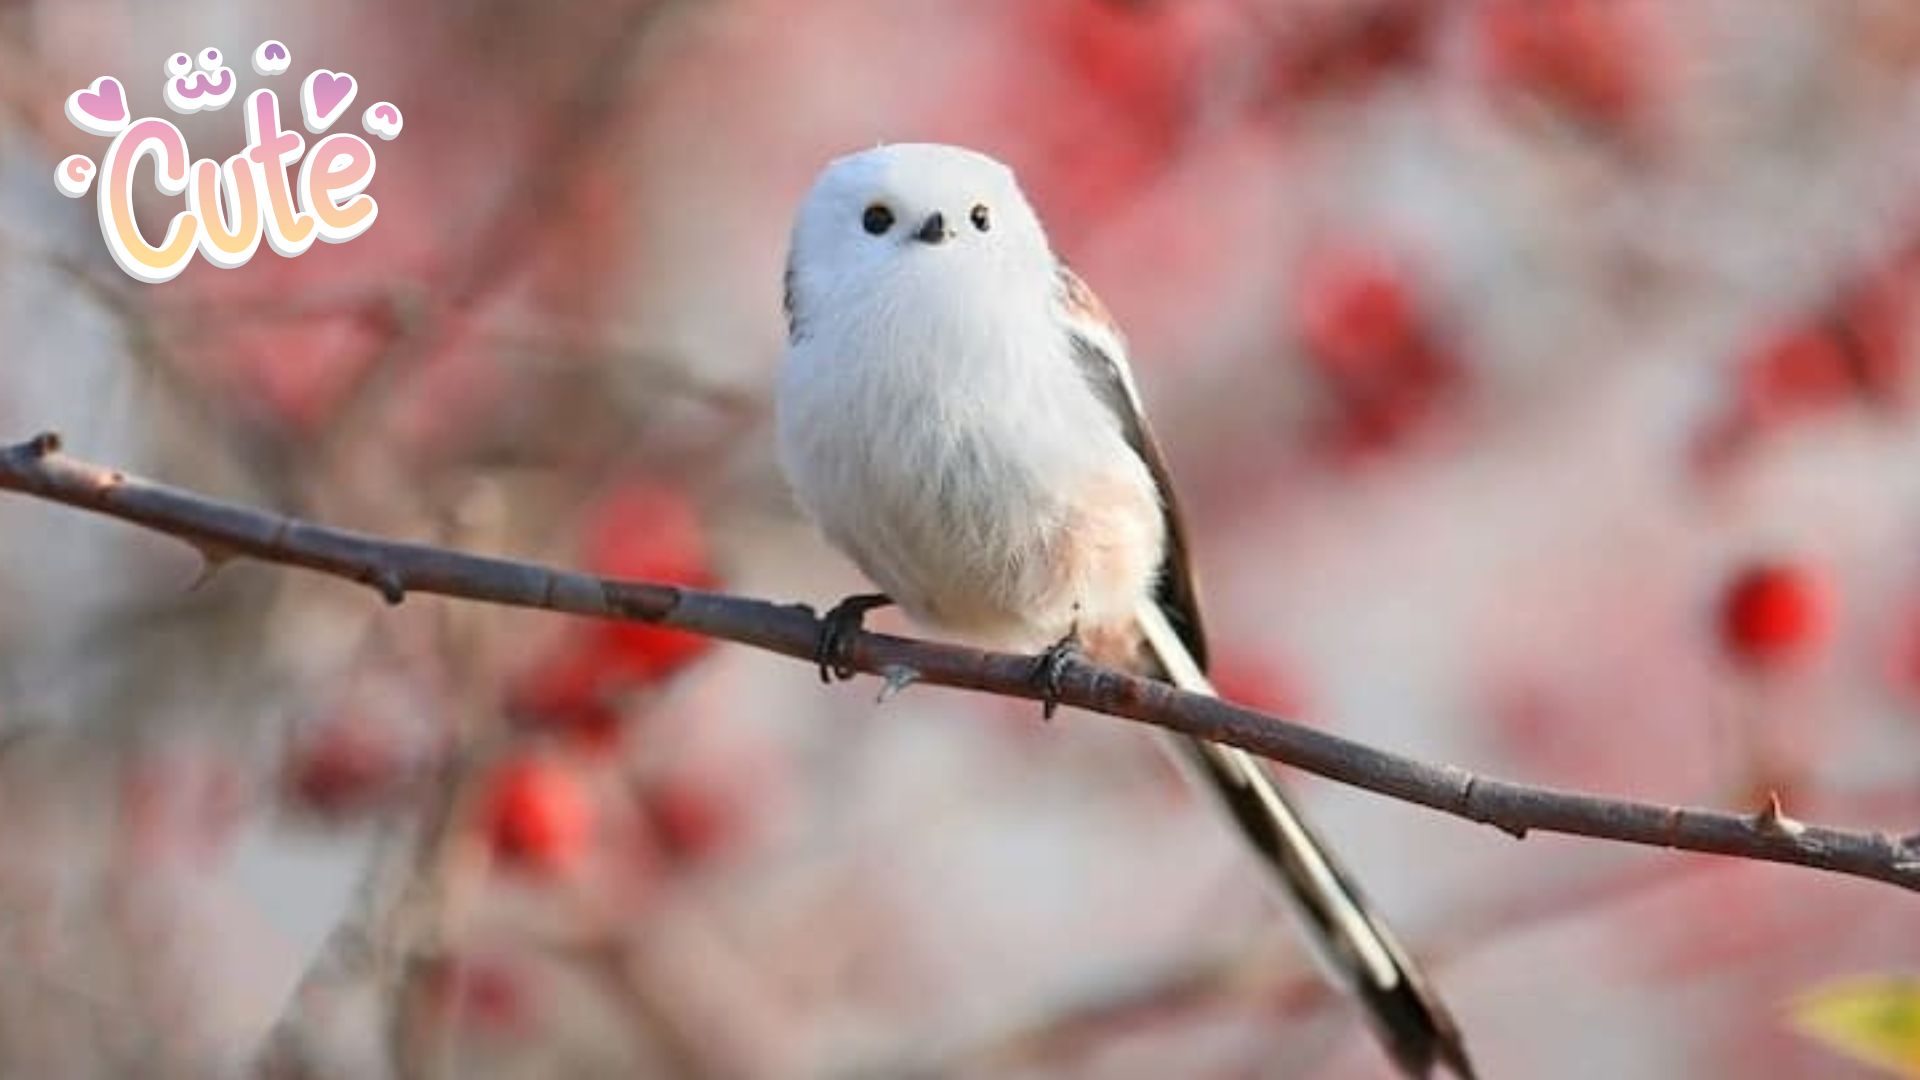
(910, 217)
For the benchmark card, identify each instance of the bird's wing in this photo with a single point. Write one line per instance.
(1349, 936)
(1101, 353)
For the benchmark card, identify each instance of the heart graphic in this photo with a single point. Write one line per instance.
(274, 51)
(101, 109)
(324, 96)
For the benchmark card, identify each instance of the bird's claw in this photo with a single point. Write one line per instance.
(837, 628)
(1051, 668)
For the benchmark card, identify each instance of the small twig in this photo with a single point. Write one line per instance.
(38, 468)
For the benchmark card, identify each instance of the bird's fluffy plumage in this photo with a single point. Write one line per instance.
(932, 416)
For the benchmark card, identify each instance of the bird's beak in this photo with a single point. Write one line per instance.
(934, 230)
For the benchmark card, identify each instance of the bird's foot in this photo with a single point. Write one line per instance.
(837, 628)
(1051, 667)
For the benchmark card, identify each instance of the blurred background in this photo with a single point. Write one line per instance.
(1539, 377)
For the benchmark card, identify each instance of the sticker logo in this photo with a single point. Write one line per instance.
(231, 205)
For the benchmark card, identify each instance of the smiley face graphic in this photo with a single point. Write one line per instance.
(207, 89)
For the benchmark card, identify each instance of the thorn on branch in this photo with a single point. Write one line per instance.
(213, 558)
(1775, 821)
(897, 677)
(387, 581)
(1513, 829)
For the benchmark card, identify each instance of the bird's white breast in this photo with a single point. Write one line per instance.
(960, 458)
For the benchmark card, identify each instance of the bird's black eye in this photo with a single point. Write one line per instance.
(877, 220)
(980, 218)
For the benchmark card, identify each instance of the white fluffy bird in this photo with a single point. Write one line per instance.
(957, 415)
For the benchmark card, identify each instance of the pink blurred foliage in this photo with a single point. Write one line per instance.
(1746, 941)
(1328, 51)
(1599, 63)
(485, 992)
(360, 755)
(1851, 353)
(1900, 649)
(181, 808)
(1125, 78)
(1383, 364)
(642, 531)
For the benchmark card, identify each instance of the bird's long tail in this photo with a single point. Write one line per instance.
(1351, 940)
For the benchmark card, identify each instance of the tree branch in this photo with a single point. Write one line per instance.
(222, 530)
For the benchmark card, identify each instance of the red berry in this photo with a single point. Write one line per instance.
(1854, 350)
(1136, 55)
(1381, 417)
(1105, 92)
(1774, 614)
(537, 816)
(645, 530)
(648, 533)
(1345, 48)
(1356, 313)
(1589, 58)
(482, 991)
(641, 532)
(1874, 319)
(644, 652)
(1796, 373)
(572, 692)
(1386, 371)
(347, 764)
(691, 819)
